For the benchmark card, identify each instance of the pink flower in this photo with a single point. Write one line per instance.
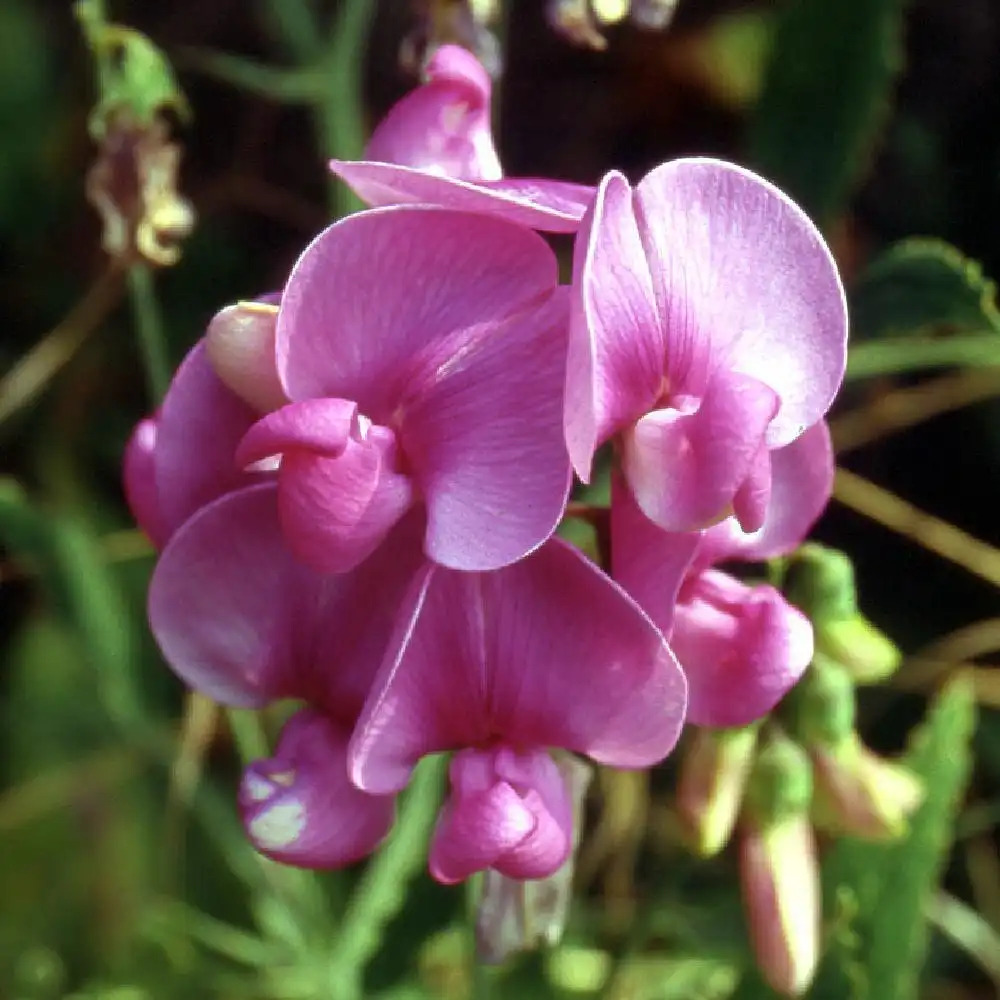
(422, 350)
(241, 620)
(742, 647)
(708, 330)
(502, 667)
(435, 147)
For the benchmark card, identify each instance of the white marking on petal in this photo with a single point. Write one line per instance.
(279, 826)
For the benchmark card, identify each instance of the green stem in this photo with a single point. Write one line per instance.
(339, 109)
(248, 734)
(905, 354)
(382, 890)
(149, 330)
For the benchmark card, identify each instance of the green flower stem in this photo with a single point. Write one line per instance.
(382, 890)
(149, 330)
(906, 354)
(339, 108)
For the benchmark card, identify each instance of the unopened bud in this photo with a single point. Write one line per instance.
(779, 876)
(823, 703)
(713, 778)
(867, 653)
(820, 581)
(860, 794)
(780, 785)
(240, 343)
(517, 914)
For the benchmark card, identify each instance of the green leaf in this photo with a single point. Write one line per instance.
(924, 286)
(826, 93)
(877, 894)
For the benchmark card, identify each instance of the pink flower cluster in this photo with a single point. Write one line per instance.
(355, 483)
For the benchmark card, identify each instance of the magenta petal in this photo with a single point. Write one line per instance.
(444, 125)
(299, 807)
(507, 810)
(336, 511)
(743, 278)
(139, 481)
(485, 442)
(647, 561)
(614, 371)
(537, 203)
(240, 619)
(382, 298)
(742, 648)
(751, 500)
(546, 652)
(321, 426)
(199, 426)
(685, 468)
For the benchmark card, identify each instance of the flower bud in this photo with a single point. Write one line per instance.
(780, 785)
(713, 778)
(861, 794)
(779, 875)
(867, 653)
(820, 581)
(823, 704)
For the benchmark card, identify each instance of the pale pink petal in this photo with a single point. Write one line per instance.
(240, 619)
(199, 426)
(139, 481)
(298, 806)
(685, 466)
(648, 562)
(614, 371)
(546, 652)
(507, 810)
(444, 125)
(742, 648)
(537, 203)
(743, 279)
(239, 343)
(484, 440)
(751, 500)
(385, 297)
(801, 484)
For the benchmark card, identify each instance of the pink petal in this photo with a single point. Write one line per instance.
(507, 810)
(614, 372)
(321, 426)
(742, 648)
(239, 343)
(139, 481)
(299, 807)
(200, 424)
(485, 442)
(685, 467)
(536, 203)
(801, 484)
(743, 278)
(648, 562)
(444, 125)
(385, 297)
(238, 618)
(547, 652)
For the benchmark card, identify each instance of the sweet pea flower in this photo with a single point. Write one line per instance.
(422, 351)
(435, 147)
(502, 668)
(244, 622)
(709, 329)
(742, 647)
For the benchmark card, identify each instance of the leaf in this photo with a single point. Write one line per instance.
(826, 92)
(878, 894)
(924, 286)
